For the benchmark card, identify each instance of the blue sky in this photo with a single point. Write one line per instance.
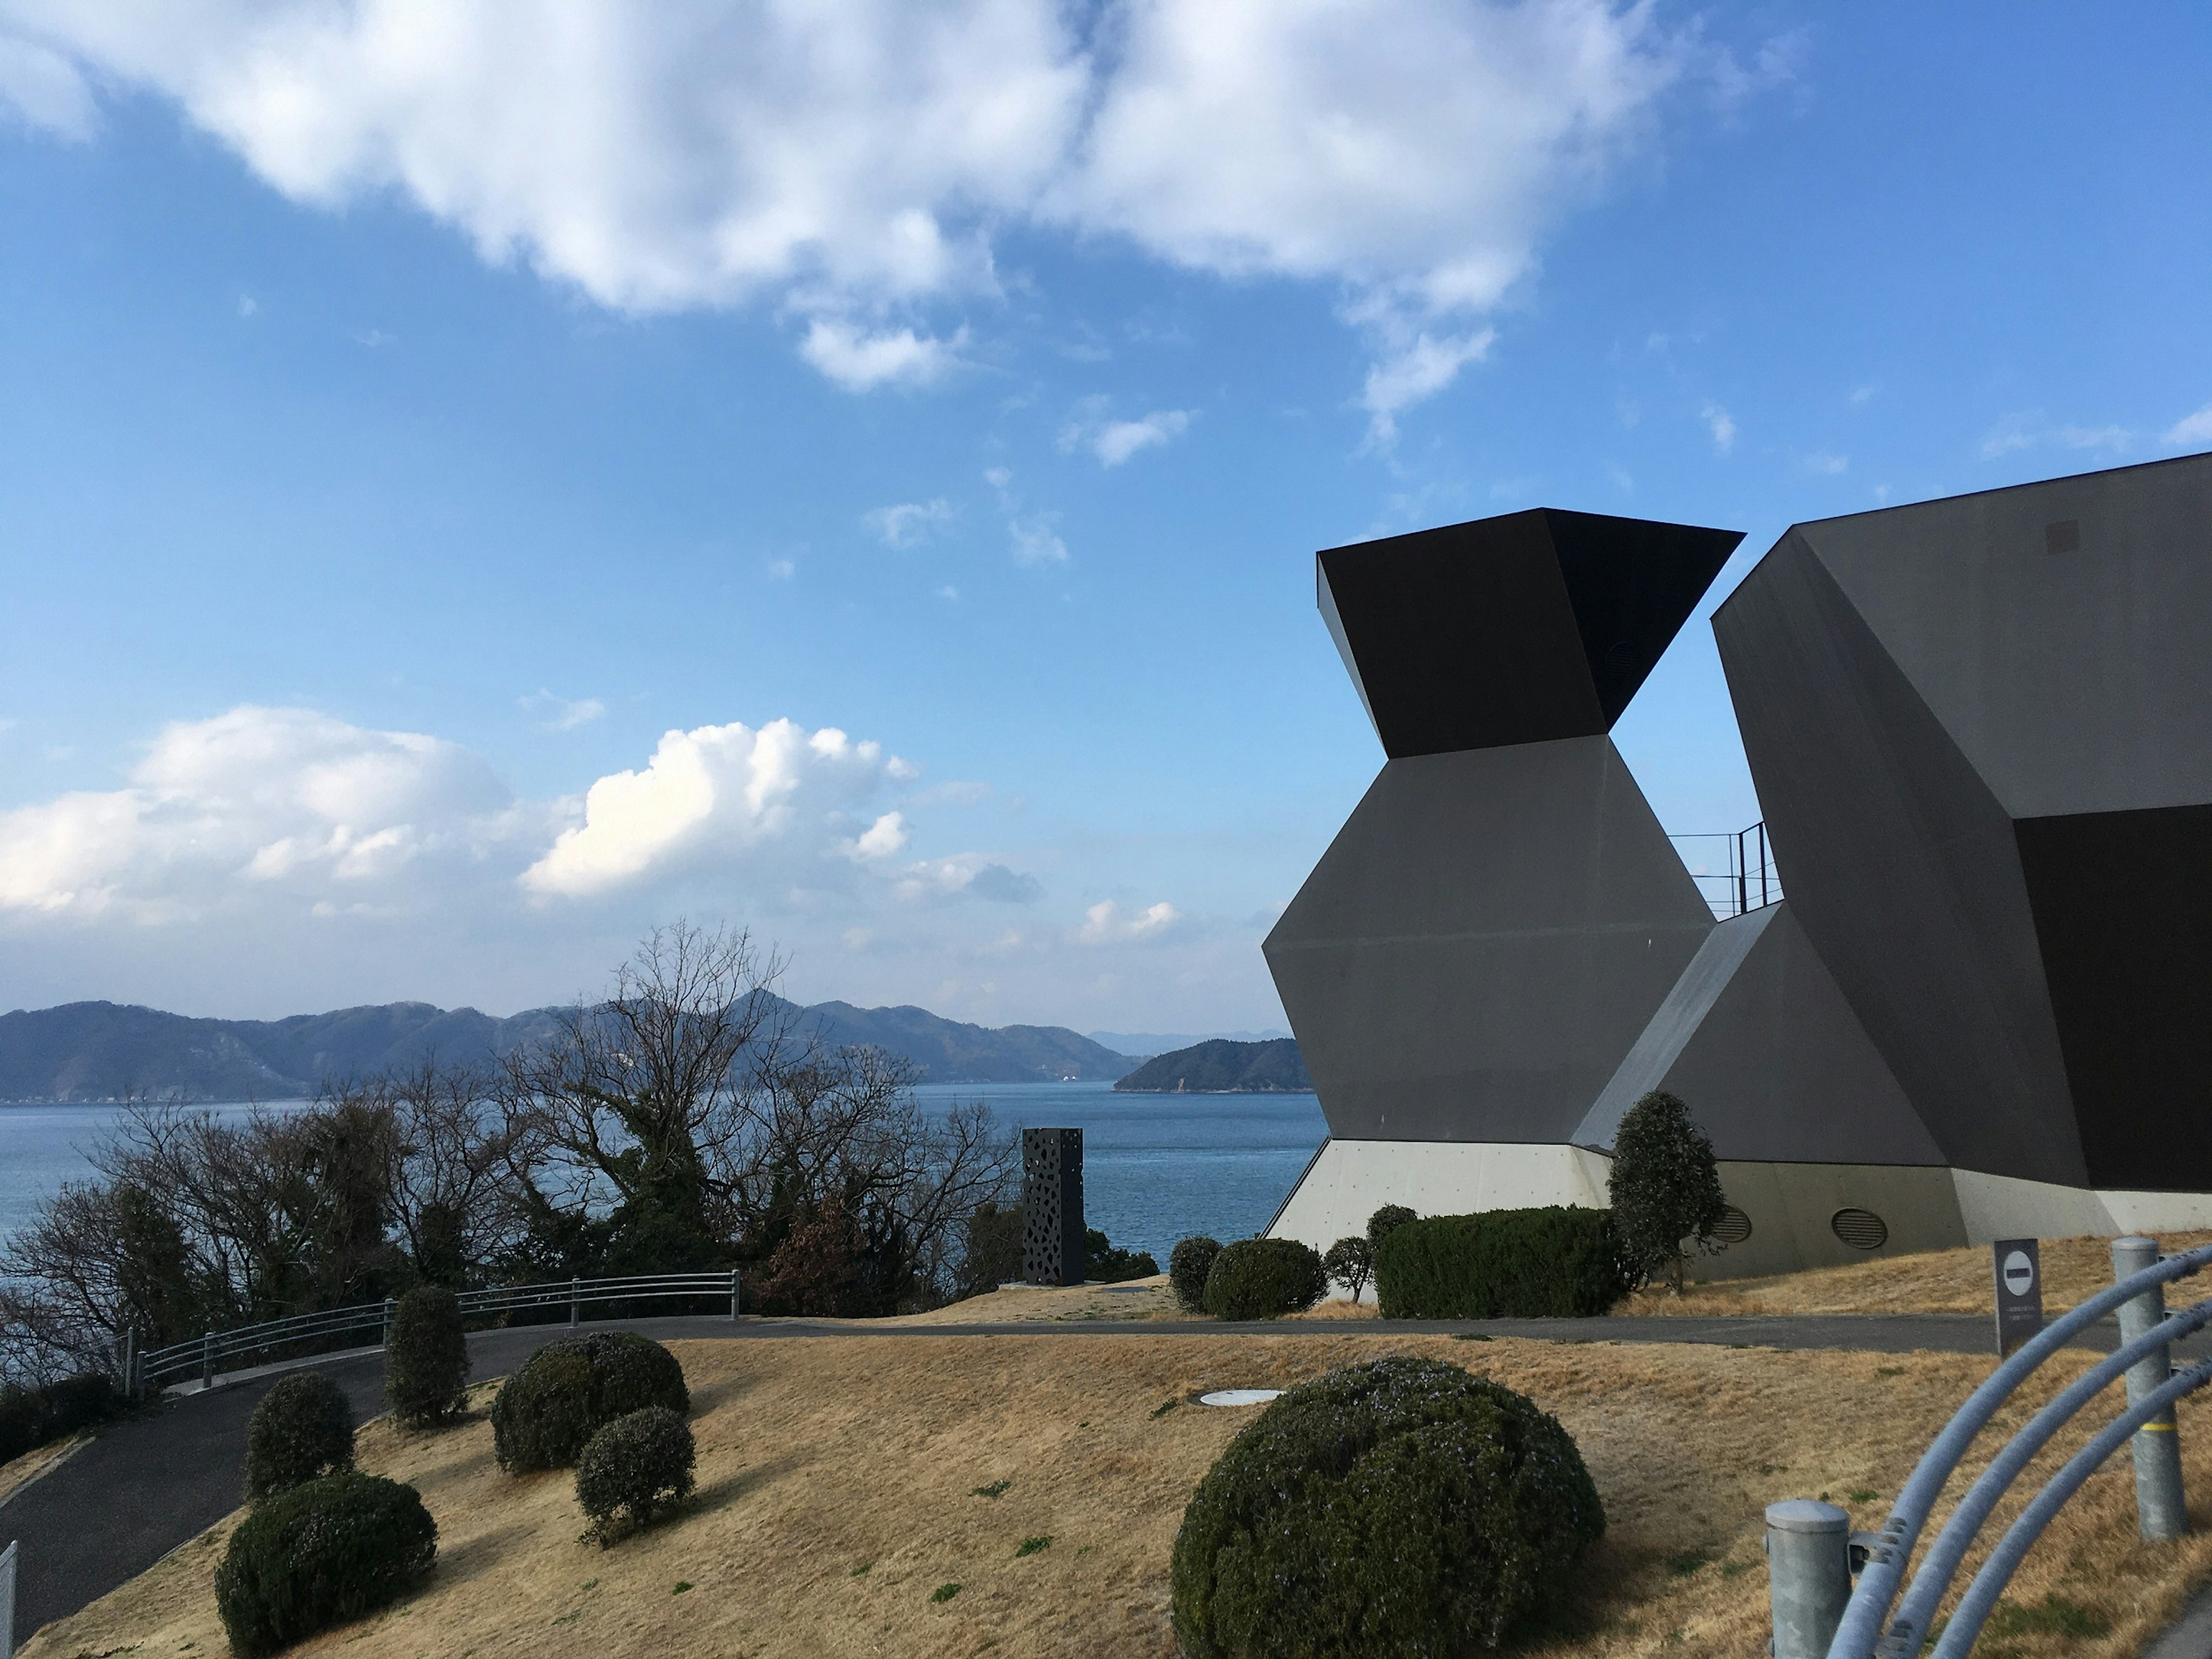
(442, 444)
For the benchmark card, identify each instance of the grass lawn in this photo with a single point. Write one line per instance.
(843, 1494)
(1935, 1281)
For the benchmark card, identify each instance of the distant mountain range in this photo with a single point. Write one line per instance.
(1222, 1067)
(88, 1051)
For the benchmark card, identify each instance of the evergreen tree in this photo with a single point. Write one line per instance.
(1666, 1188)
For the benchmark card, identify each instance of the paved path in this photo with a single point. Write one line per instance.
(144, 1487)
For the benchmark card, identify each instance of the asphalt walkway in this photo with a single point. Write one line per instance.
(142, 1487)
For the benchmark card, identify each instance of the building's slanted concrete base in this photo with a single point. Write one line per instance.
(1788, 1205)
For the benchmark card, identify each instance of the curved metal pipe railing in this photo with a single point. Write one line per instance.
(207, 1352)
(1981, 1596)
(1918, 1609)
(1860, 1635)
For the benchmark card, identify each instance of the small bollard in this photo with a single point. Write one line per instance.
(733, 1293)
(575, 1300)
(2158, 1508)
(1808, 1575)
(207, 1361)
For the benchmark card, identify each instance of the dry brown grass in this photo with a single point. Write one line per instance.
(1138, 1299)
(837, 1492)
(21, 1471)
(1936, 1281)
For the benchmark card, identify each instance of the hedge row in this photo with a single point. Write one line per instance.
(1503, 1264)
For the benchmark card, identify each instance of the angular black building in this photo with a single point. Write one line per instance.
(1981, 730)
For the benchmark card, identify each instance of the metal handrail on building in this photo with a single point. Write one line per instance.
(1748, 879)
(208, 1353)
(1812, 1591)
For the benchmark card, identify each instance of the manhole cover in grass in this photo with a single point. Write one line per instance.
(1240, 1396)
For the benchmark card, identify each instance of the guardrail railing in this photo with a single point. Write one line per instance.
(1812, 1555)
(211, 1353)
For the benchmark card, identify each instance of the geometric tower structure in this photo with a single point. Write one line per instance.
(1496, 924)
(1981, 731)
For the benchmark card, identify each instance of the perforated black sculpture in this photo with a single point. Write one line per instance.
(1052, 1207)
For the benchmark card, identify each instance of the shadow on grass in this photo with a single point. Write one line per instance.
(711, 1396)
(471, 1559)
(1612, 1580)
(731, 1487)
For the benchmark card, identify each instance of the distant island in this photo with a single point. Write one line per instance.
(99, 1051)
(1222, 1068)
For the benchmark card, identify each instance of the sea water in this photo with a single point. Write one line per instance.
(1156, 1168)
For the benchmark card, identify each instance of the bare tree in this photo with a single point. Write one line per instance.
(636, 1096)
(456, 1165)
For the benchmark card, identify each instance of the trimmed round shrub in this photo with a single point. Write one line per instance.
(1386, 1221)
(634, 1372)
(426, 1358)
(635, 1470)
(546, 1411)
(302, 1428)
(1397, 1509)
(1265, 1278)
(323, 1553)
(1189, 1264)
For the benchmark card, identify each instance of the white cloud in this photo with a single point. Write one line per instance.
(909, 522)
(1831, 466)
(42, 90)
(560, 713)
(857, 161)
(782, 570)
(2113, 438)
(275, 799)
(1105, 923)
(1035, 535)
(860, 361)
(271, 861)
(1036, 539)
(1416, 369)
(971, 875)
(2192, 428)
(778, 799)
(885, 838)
(2028, 429)
(1114, 441)
(1721, 425)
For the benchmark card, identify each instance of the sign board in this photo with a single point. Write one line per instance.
(2019, 1269)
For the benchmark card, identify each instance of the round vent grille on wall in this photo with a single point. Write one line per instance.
(1735, 1228)
(1862, 1229)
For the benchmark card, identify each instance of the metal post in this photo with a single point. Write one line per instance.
(129, 1363)
(386, 1338)
(1764, 901)
(733, 1293)
(1742, 886)
(7, 1602)
(1808, 1575)
(2159, 1508)
(575, 1300)
(207, 1360)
